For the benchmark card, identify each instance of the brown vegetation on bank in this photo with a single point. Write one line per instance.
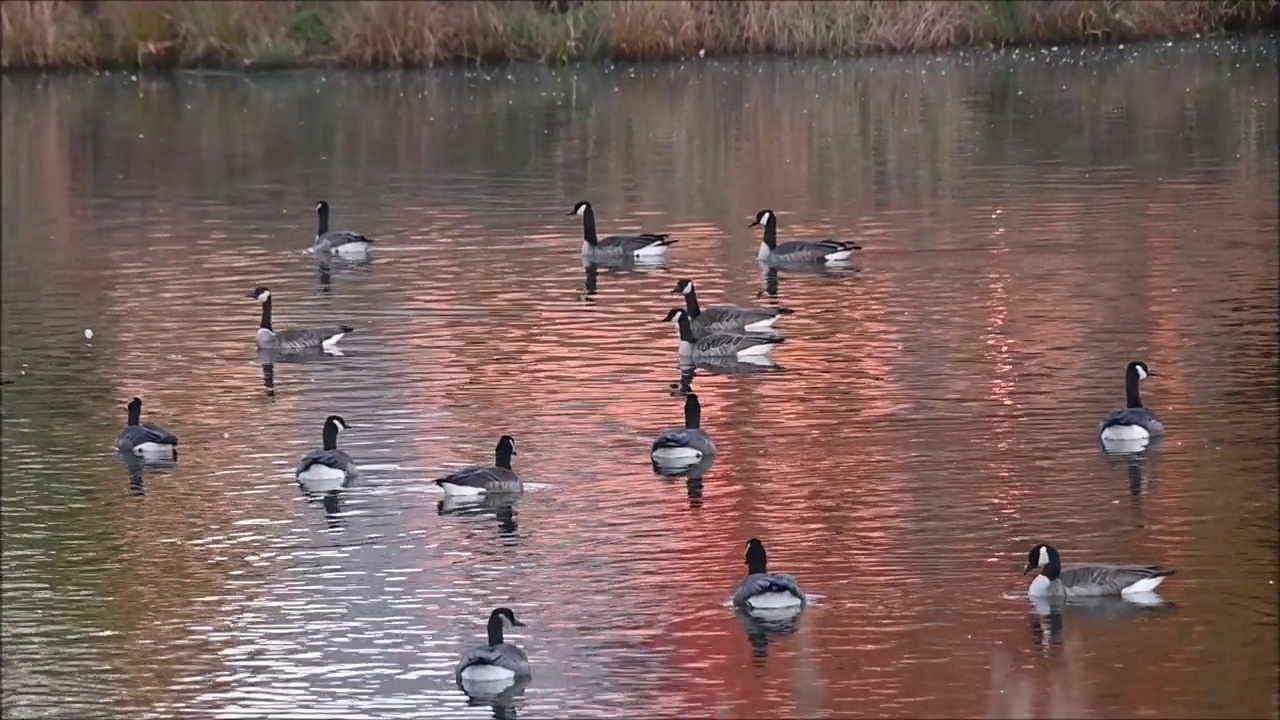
(45, 34)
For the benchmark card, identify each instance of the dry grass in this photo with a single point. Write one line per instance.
(42, 34)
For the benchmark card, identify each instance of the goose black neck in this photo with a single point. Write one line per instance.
(495, 629)
(502, 457)
(330, 436)
(692, 415)
(771, 232)
(589, 227)
(1131, 396)
(135, 414)
(324, 221)
(691, 303)
(266, 315)
(1053, 569)
(757, 563)
(686, 330)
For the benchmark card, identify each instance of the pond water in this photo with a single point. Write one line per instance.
(1032, 221)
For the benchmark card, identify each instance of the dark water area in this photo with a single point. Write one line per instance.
(1032, 221)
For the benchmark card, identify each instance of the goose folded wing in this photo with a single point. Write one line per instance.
(1128, 416)
(753, 585)
(734, 315)
(480, 476)
(330, 458)
(634, 242)
(730, 343)
(157, 434)
(675, 438)
(505, 655)
(310, 336)
(1108, 579)
(342, 237)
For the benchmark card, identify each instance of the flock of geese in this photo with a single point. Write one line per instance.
(710, 332)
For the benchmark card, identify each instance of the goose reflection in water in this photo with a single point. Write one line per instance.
(1048, 616)
(268, 359)
(137, 469)
(336, 265)
(771, 275)
(622, 268)
(501, 506)
(502, 702)
(692, 474)
(761, 630)
(1134, 455)
(725, 366)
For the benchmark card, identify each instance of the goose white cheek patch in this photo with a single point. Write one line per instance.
(1044, 556)
(1142, 374)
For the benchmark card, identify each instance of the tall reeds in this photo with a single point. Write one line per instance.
(41, 34)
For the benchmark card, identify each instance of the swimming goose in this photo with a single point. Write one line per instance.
(1134, 422)
(722, 318)
(478, 479)
(763, 590)
(145, 439)
(1089, 580)
(684, 445)
(617, 247)
(327, 469)
(341, 242)
(497, 661)
(720, 345)
(797, 252)
(294, 339)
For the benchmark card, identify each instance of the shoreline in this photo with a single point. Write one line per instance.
(66, 36)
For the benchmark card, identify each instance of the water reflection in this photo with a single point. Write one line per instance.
(761, 630)
(1048, 618)
(137, 468)
(503, 702)
(693, 475)
(499, 506)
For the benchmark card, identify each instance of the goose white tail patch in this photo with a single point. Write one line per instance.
(761, 324)
(773, 601)
(152, 448)
(763, 349)
(656, 248)
(1125, 432)
(1145, 585)
(675, 455)
(487, 673)
(322, 478)
(451, 489)
(332, 340)
(838, 256)
(354, 248)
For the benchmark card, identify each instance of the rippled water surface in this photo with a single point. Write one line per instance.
(1032, 221)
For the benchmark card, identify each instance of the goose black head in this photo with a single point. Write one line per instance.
(1139, 368)
(684, 287)
(134, 404)
(337, 422)
(1040, 556)
(762, 218)
(674, 315)
(505, 616)
(507, 443)
(322, 207)
(260, 294)
(580, 208)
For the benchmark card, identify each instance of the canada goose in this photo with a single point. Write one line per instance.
(497, 661)
(328, 468)
(684, 445)
(1089, 580)
(740, 346)
(797, 251)
(617, 247)
(1134, 422)
(340, 242)
(726, 318)
(763, 590)
(145, 439)
(294, 339)
(479, 479)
